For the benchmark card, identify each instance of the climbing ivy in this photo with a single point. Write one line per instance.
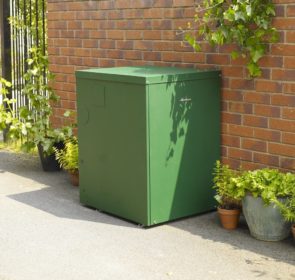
(246, 23)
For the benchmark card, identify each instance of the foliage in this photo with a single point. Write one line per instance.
(248, 24)
(29, 19)
(31, 123)
(227, 194)
(68, 157)
(271, 185)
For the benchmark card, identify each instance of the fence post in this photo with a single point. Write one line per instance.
(5, 41)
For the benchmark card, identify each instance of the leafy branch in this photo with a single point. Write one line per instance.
(248, 24)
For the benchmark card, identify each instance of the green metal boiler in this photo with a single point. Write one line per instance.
(148, 140)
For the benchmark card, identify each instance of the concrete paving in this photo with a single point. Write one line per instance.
(46, 234)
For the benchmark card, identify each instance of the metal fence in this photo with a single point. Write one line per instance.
(24, 26)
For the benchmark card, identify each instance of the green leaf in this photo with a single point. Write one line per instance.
(235, 54)
(67, 113)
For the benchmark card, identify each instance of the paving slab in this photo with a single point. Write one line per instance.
(45, 233)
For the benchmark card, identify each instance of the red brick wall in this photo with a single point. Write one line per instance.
(258, 116)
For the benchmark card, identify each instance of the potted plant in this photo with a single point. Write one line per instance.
(227, 195)
(68, 158)
(267, 194)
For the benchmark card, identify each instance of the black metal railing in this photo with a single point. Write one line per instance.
(23, 26)
(27, 29)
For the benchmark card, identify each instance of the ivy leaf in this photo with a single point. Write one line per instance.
(249, 10)
(254, 69)
(67, 113)
(235, 54)
(256, 54)
(24, 112)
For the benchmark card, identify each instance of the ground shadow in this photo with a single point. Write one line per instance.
(54, 194)
(208, 227)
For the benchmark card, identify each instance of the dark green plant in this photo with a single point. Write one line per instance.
(227, 194)
(68, 157)
(247, 24)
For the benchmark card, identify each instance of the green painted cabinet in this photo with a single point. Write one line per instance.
(148, 139)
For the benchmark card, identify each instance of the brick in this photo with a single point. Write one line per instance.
(124, 45)
(282, 125)
(153, 13)
(289, 62)
(290, 37)
(242, 84)
(75, 43)
(133, 35)
(133, 13)
(231, 141)
(193, 57)
(254, 97)
(288, 138)
(143, 45)
(151, 35)
(246, 165)
(231, 118)
(283, 100)
(163, 46)
(221, 59)
(284, 23)
(152, 56)
(266, 134)
(266, 159)
(107, 44)
(233, 71)
(283, 74)
(239, 107)
(268, 86)
(114, 54)
(240, 130)
(161, 24)
(289, 88)
(171, 56)
(115, 34)
(288, 163)
(177, 3)
(271, 61)
(280, 149)
(90, 43)
(255, 121)
(133, 55)
(289, 113)
(255, 145)
(267, 111)
(141, 3)
(232, 163)
(163, 3)
(239, 154)
(233, 95)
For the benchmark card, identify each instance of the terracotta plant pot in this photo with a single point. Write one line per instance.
(293, 230)
(229, 218)
(74, 178)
